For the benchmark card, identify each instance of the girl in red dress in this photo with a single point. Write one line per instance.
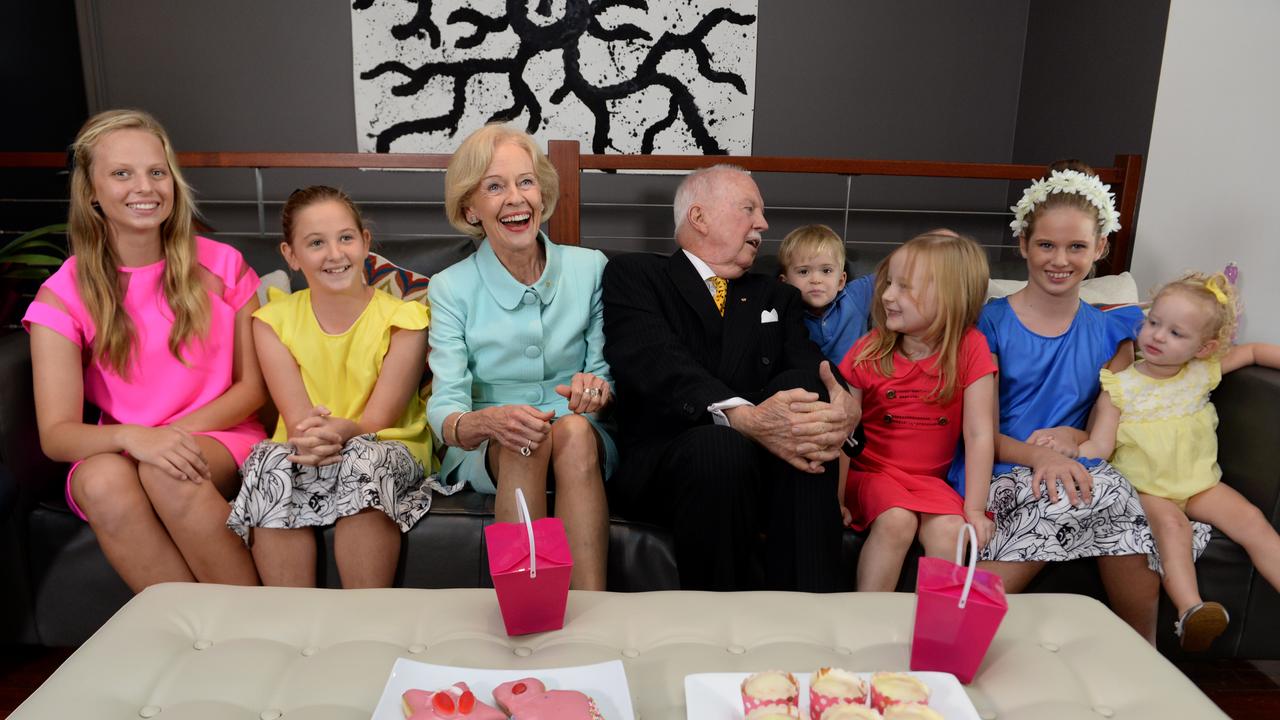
(926, 380)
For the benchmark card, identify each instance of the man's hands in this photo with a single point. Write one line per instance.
(798, 427)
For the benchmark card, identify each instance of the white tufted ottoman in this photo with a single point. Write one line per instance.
(210, 651)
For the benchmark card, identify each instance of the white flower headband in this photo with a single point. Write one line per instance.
(1068, 181)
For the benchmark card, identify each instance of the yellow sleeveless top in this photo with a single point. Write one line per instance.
(340, 370)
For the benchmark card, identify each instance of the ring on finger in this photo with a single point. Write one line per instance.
(592, 392)
(526, 451)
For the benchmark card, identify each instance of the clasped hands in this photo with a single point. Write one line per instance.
(798, 427)
(522, 428)
(1056, 463)
(318, 438)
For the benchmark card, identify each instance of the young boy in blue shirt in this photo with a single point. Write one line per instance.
(812, 260)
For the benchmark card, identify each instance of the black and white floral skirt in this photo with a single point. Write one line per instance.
(278, 493)
(1112, 524)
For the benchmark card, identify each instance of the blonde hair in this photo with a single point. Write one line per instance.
(1068, 200)
(97, 263)
(957, 271)
(1218, 297)
(472, 158)
(808, 240)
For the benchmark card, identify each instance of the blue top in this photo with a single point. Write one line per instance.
(1049, 381)
(844, 320)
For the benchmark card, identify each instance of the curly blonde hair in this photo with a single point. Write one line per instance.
(1218, 297)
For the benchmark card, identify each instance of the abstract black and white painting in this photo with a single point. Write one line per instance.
(620, 76)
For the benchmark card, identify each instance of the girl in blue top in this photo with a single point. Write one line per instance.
(1050, 346)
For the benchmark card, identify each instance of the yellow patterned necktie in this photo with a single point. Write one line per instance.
(722, 290)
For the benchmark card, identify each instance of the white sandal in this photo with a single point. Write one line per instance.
(1200, 625)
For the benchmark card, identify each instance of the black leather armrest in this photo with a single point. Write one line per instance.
(1248, 402)
(19, 436)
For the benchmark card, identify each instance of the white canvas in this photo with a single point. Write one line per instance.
(428, 72)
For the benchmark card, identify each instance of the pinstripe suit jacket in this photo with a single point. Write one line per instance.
(672, 354)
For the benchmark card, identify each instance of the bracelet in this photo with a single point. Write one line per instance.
(457, 441)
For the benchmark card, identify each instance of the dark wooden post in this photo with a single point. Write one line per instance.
(565, 225)
(1121, 254)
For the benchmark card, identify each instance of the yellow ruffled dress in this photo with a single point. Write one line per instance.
(1167, 442)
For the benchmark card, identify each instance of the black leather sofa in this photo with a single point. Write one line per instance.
(56, 587)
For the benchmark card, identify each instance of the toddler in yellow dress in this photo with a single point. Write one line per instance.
(1157, 417)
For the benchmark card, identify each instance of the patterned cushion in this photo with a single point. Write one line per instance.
(395, 280)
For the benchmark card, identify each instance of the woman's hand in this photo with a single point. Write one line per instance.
(518, 428)
(983, 526)
(170, 448)
(1063, 440)
(1050, 468)
(318, 438)
(587, 393)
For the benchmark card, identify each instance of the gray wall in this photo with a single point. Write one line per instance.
(900, 79)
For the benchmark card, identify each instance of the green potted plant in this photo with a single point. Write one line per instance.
(30, 257)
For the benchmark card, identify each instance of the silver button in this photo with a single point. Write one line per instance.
(631, 653)
(1104, 711)
(309, 651)
(1051, 647)
(417, 648)
(523, 651)
(272, 714)
(736, 650)
(149, 711)
(202, 645)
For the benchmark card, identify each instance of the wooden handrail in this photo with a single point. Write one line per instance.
(565, 224)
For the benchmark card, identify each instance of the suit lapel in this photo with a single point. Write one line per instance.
(694, 291)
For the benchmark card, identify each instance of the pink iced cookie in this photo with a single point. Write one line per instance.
(454, 702)
(529, 699)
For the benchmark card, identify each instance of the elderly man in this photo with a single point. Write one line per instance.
(724, 430)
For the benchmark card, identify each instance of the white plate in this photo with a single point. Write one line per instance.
(718, 696)
(606, 683)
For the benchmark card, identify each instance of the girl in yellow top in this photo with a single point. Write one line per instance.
(343, 363)
(1157, 417)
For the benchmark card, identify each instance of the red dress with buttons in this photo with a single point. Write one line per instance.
(910, 440)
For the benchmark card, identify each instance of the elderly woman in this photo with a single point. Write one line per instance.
(517, 346)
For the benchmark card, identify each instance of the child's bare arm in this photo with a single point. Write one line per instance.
(1102, 430)
(979, 453)
(1264, 354)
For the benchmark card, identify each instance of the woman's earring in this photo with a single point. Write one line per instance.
(472, 219)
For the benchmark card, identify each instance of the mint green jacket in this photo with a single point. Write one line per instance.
(495, 341)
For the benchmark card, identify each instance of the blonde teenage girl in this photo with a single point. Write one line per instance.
(150, 324)
(1050, 346)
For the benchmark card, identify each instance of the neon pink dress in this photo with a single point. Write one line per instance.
(160, 388)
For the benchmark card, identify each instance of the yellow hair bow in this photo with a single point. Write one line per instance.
(1215, 285)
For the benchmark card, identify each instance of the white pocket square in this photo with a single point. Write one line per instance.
(768, 316)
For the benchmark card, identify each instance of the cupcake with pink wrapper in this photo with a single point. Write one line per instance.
(771, 688)
(892, 688)
(832, 686)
